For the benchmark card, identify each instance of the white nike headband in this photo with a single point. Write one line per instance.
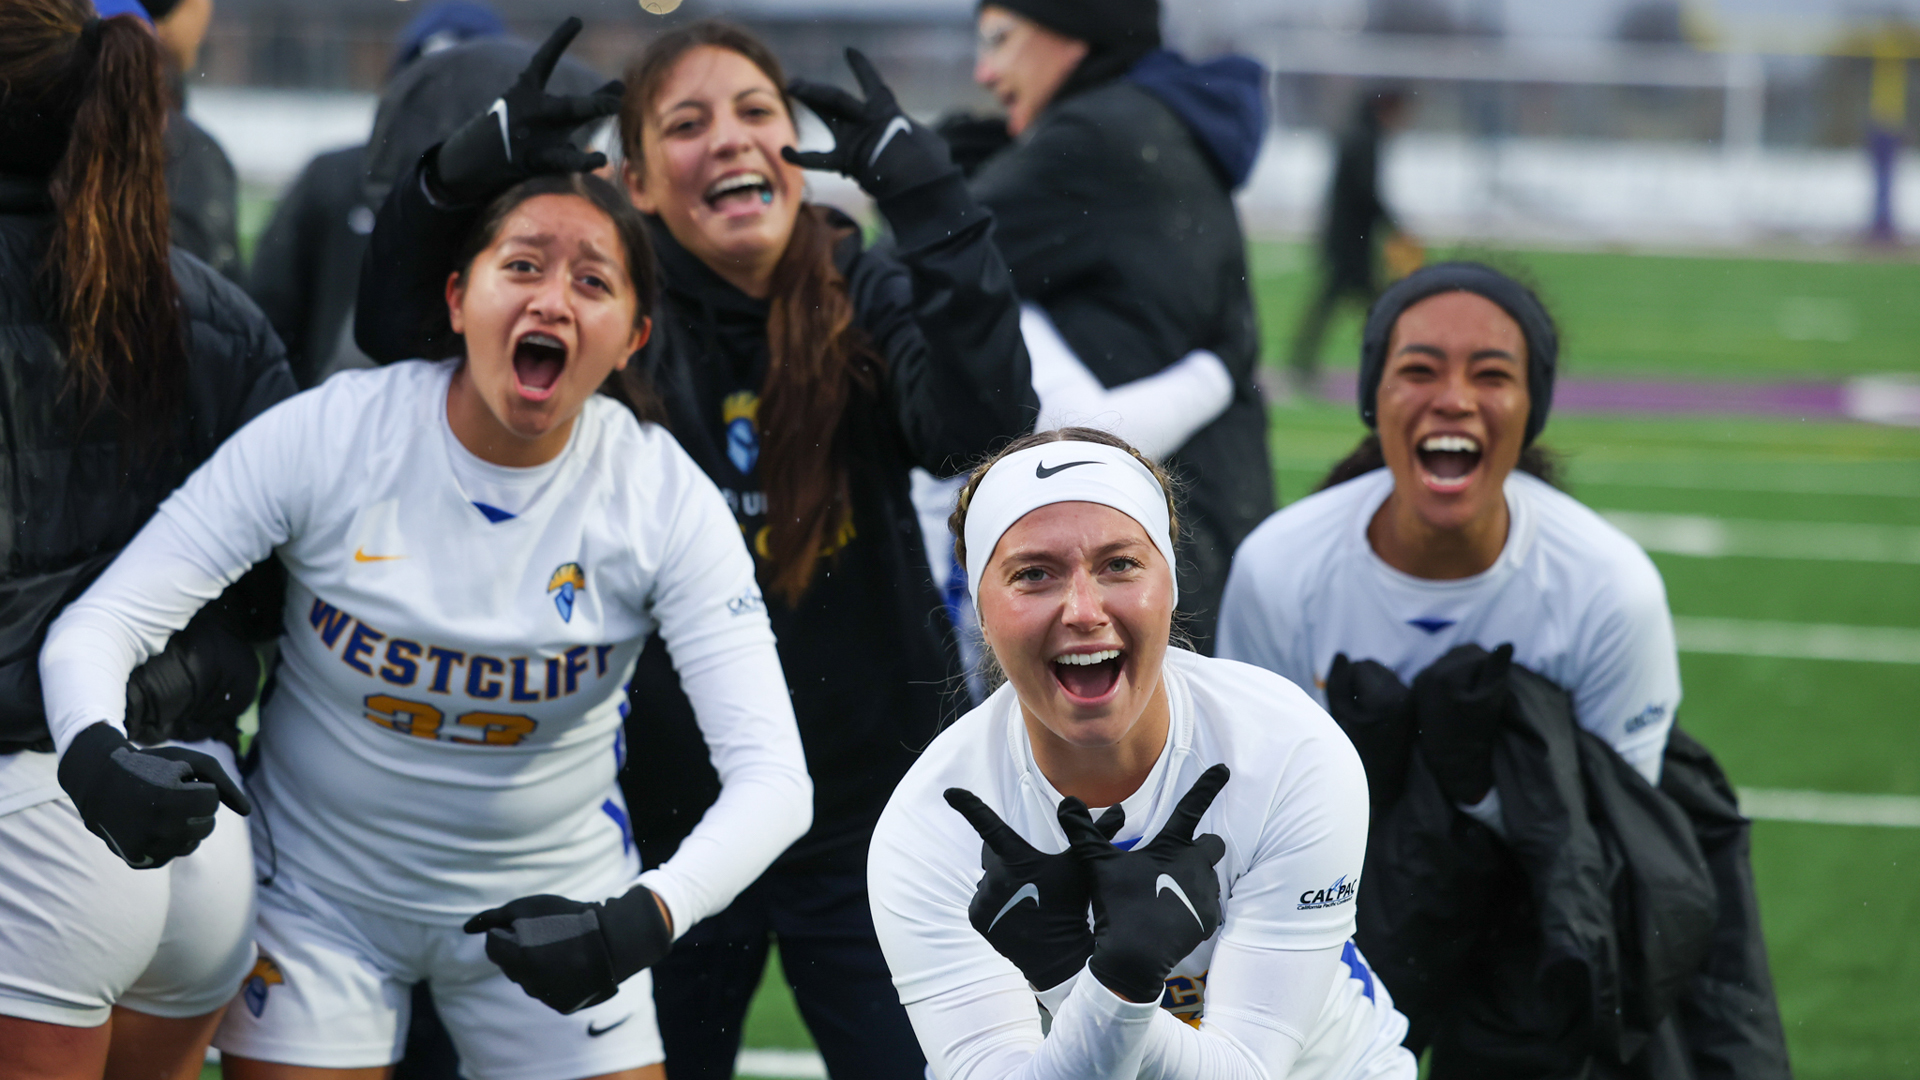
(1058, 472)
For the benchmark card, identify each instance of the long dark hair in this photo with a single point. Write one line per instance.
(1541, 461)
(106, 273)
(820, 360)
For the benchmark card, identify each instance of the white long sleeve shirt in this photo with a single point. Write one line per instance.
(445, 731)
(1278, 991)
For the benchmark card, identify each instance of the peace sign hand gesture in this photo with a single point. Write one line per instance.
(1155, 904)
(1030, 906)
(874, 142)
(524, 134)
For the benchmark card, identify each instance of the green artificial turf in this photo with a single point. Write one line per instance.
(1644, 315)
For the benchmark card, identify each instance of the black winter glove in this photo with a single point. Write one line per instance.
(1375, 709)
(571, 954)
(972, 140)
(1458, 702)
(524, 134)
(1048, 940)
(195, 688)
(875, 143)
(150, 806)
(1155, 904)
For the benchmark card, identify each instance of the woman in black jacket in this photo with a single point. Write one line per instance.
(807, 376)
(122, 366)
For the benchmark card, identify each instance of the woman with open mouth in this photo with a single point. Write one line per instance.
(478, 548)
(807, 375)
(1220, 863)
(1434, 563)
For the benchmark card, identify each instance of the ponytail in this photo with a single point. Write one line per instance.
(107, 269)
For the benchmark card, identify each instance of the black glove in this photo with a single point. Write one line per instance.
(1458, 702)
(571, 954)
(875, 143)
(524, 134)
(195, 688)
(1375, 709)
(971, 140)
(1155, 904)
(150, 806)
(1048, 940)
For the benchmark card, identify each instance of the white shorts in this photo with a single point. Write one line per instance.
(333, 989)
(80, 931)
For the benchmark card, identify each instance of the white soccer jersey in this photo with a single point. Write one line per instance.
(1294, 819)
(1579, 601)
(444, 733)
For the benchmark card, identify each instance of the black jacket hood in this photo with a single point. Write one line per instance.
(432, 97)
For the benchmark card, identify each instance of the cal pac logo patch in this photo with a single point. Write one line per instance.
(265, 976)
(566, 584)
(1333, 895)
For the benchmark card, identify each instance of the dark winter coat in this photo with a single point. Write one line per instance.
(1116, 213)
(867, 651)
(204, 193)
(77, 492)
(1612, 932)
(306, 266)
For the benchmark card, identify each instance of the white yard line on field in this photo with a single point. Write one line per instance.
(1830, 808)
(781, 1065)
(1715, 537)
(1798, 641)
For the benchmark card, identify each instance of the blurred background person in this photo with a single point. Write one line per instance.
(1357, 227)
(202, 187)
(1114, 207)
(807, 375)
(306, 265)
(126, 364)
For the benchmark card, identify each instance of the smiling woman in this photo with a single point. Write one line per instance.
(1068, 538)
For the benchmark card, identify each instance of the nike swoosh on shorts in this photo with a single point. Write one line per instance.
(1165, 883)
(1029, 891)
(594, 1032)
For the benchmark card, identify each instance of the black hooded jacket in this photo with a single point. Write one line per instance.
(306, 266)
(867, 651)
(76, 492)
(204, 193)
(1115, 211)
(1611, 933)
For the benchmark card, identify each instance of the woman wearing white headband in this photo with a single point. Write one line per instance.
(1221, 911)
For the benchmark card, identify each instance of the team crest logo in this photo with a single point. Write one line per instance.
(740, 413)
(566, 584)
(265, 976)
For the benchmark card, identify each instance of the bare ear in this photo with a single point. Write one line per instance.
(634, 172)
(456, 296)
(641, 334)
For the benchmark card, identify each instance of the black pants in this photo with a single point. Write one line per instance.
(1336, 284)
(831, 959)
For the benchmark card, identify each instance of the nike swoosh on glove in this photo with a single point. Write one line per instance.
(1375, 709)
(150, 806)
(1459, 702)
(571, 954)
(1030, 906)
(874, 142)
(1155, 904)
(526, 133)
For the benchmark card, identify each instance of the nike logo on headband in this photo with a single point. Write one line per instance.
(1040, 471)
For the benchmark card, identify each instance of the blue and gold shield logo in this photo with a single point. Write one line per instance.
(265, 976)
(740, 413)
(567, 583)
